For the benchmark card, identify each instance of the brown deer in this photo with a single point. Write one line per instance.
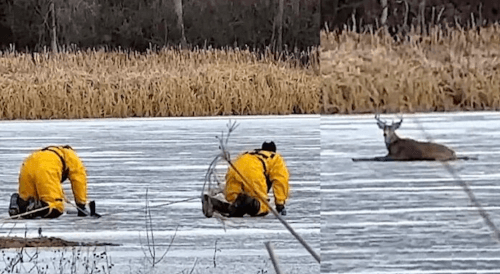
(410, 150)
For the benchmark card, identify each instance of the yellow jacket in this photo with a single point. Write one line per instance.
(255, 166)
(43, 172)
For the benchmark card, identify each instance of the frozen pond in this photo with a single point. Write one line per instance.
(376, 217)
(408, 217)
(124, 157)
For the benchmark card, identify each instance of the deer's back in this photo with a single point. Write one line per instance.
(408, 149)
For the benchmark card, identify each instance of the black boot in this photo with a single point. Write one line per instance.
(220, 206)
(14, 207)
(92, 210)
(211, 204)
(206, 206)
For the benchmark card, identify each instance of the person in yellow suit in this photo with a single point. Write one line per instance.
(40, 183)
(263, 169)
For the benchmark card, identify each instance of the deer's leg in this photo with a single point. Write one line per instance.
(466, 158)
(375, 159)
(384, 159)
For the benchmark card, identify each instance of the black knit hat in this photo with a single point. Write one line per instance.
(269, 146)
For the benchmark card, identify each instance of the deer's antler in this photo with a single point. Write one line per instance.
(398, 124)
(380, 123)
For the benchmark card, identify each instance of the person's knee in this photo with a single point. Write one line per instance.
(49, 212)
(245, 204)
(254, 207)
(243, 200)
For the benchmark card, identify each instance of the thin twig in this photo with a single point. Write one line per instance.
(147, 229)
(215, 251)
(169, 245)
(194, 265)
(174, 202)
(143, 250)
(152, 232)
(151, 239)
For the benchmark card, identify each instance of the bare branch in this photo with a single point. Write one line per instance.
(194, 265)
(211, 175)
(169, 245)
(147, 227)
(151, 239)
(274, 260)
(215, 251)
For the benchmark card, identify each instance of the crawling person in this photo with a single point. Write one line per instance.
(262, 168)
(40, 184)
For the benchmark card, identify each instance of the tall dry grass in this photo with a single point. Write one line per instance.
(447, 70)
(95, 84)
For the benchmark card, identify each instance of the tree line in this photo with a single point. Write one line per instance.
(399, 16)
(131, 24)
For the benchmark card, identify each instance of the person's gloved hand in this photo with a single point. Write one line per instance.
(92, 210)
(281, 209)
(81, 210)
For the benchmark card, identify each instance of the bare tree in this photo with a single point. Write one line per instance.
(278, 23)
(383, 17)
(180, 22)
(162, 11)
(296, 20)
(421, 16)
(54, 34)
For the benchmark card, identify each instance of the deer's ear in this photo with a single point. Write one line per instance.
(380, 125)
(396, 125)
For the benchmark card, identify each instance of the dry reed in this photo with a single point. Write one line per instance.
(99, 84)
(447, 70)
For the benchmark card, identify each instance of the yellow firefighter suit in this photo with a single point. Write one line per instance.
(262, 170)
(43, 172)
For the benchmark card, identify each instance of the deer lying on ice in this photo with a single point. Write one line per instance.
(410, 150)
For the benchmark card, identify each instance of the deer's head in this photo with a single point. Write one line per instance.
(389, 130)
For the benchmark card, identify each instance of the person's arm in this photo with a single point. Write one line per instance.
(279, 176)
(77, 176)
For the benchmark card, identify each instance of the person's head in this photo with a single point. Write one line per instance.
(269, 146)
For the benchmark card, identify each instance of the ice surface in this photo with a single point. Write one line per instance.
(170, 157)
(408, 217)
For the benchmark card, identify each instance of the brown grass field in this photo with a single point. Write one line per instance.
(98, 84)
(447, 70)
